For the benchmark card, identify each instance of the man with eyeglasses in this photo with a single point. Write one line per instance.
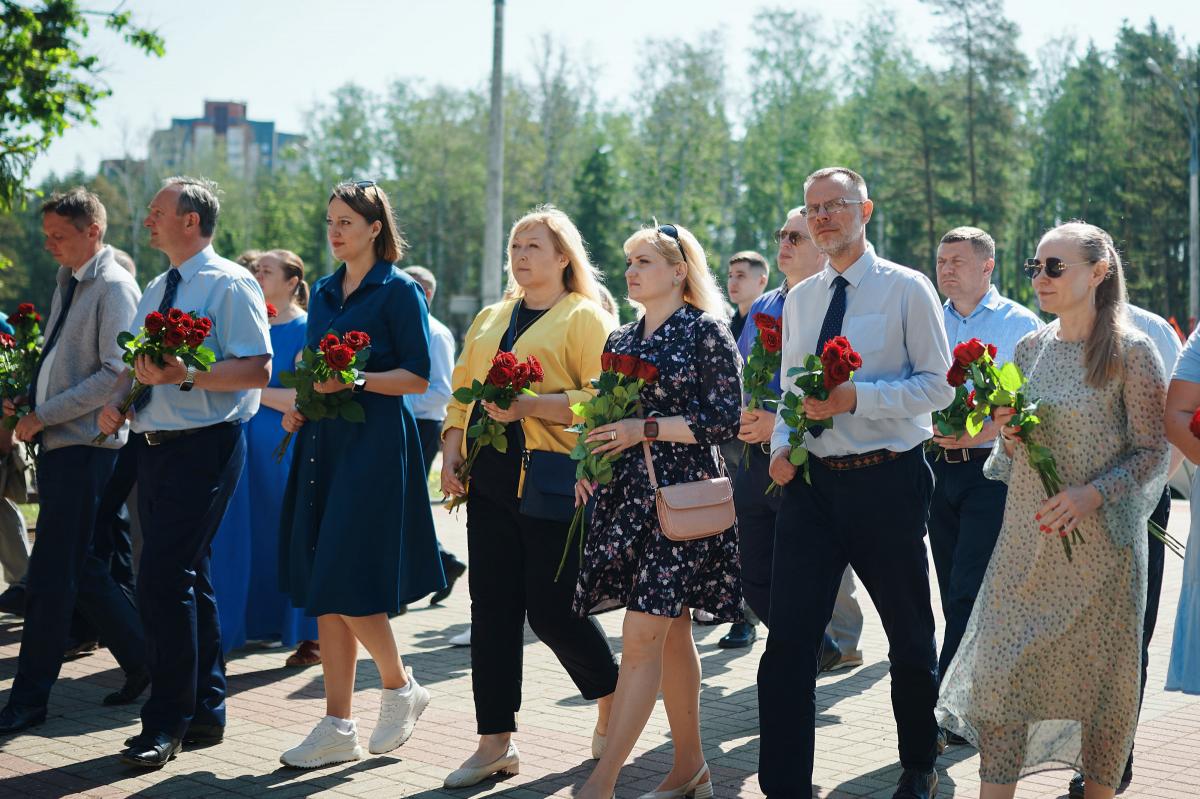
(798, 260)
(868, 501)
(967, 509)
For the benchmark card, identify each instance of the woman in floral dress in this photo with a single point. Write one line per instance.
(1048, 672)
(627, 561)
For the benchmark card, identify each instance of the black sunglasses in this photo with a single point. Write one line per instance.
(1054, 267)
(670, 230)
(793, 236)
(364, 184)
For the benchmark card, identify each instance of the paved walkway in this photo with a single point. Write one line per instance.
(271, 707)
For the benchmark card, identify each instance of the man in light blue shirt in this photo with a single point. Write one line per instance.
(189, 465)
(868, 501)
(967, 509)
(430, 409)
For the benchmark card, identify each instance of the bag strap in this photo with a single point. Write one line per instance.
(650, 464)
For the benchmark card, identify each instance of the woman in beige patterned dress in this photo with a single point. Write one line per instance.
(1047, 674)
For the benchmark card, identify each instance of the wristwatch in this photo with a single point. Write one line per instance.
(650, 429)
(359, 386)
(190, 380)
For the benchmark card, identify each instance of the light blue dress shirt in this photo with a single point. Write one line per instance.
(1166, 340)
(1187, 367)
(995, 320)
(218, 288)
(894, 320)
(771, 304)
(432, 404)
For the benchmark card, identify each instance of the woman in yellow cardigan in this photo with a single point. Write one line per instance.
(519, 502)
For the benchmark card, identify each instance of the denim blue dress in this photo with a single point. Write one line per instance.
(356, 532)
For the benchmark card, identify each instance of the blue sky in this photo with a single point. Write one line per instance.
(282, 56)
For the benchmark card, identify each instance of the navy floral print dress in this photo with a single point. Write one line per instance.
(627, 561)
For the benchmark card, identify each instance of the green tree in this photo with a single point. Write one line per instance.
(50, 83)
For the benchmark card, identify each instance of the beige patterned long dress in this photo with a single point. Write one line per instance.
(1047, 674)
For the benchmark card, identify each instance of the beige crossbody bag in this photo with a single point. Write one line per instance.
(688, 511)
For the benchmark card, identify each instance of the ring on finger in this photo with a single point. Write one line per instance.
(612, 435)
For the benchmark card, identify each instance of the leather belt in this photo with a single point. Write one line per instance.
(966, 454)
(156, 437)
(859, 461)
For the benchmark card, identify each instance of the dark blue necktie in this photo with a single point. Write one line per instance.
(832, 326)
(67, 295)
(168, 301)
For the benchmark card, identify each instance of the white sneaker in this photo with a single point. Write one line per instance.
(462, 639)
(398, 714)
(324, 746)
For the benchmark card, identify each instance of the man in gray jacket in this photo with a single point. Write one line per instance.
(95, 301)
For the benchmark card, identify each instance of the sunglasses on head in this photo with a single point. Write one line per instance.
(1054, 267)
(670, 230)
(794, 237)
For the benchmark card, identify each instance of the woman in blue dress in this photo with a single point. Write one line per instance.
(356, 532)
(246, 549)
(1183, 399)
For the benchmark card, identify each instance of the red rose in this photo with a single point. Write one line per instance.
(838, 343)
(627, 365)
(520, 378)
(971, 400)
(607, 362)
(357, 340)
(329, 342)
(501, 375)
(174, 315)
(339, 357)
(7, 342)
(646, 371)
(536, 373)
(956, 376)
(968, 352)
(194, 338)
(772, 340)
(174, 337)
(991, 349)
(505, 359)
(764, 321)
(25, 309)
(1194, 426)
(854, 360)
(272, 311)
(155, 322)
(205, 324)
(185, 322)
(838, 372)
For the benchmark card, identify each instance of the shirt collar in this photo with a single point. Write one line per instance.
(991, 301)
(377, 276)
(88, 271)
(855, 273)
(191, 267)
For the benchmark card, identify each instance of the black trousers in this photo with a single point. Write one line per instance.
(63, 568)
(756, 513)
(874, 520)
(1154, 577)
(184, 487)
(513, 560)
(430, 432)
(965, 516)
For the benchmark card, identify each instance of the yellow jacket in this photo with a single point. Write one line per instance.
(567, 341)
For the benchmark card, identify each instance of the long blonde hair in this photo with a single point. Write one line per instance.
(579, 275)
(699, 287)
(1102, 351)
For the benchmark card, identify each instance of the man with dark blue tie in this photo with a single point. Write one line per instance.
(189, 465)
(869, 498)
(93, 302)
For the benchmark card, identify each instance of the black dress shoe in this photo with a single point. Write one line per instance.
(204, 734)
(946, 738)
(80, 648)
(135, 684)
(1075, 788)
(13, 600)
(14, 718)
(916, 784)
(454, 568)
(741, 635)
(151, 751)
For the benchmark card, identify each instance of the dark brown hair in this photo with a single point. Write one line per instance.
(371, 203)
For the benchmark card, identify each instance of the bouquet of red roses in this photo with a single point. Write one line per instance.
(19, 356)
(765, 356)
(618, 395)
(335, 358)
(819, 376)
(174, 333)
(506, 378)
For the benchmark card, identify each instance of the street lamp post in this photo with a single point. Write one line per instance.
(1190, 113)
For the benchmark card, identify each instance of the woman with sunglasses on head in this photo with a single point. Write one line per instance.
(1047, 674)
(690, 409)
(520, 501)
(357, 540)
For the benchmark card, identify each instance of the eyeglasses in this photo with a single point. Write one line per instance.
(1054, 267)
(792, 236)
(670, 230)
(831, 208)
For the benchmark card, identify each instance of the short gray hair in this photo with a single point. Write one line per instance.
(424, 277)
(855, 179)
(198, 196)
